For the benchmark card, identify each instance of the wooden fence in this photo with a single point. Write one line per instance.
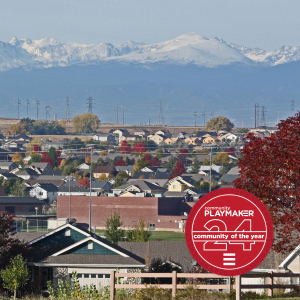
(270, 285)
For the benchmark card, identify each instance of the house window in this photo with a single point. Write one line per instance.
(30, 209)
(67, 232)
(174, 186)
(79, 275)
(107, 276)
(10, 209)
(41, 193)
(90, 245)
(86, 276)
(100, 275)
(152, 226)
(93, 275)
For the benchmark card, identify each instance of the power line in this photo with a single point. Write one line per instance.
(204, 114)
(292, 107)
(160, 118)
(263, 116)
(90, 105)
(124, 108)
(256, 107)
(37, 108)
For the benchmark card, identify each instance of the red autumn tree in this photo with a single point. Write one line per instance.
(139, 147)
(178, 169)
(120, 162)
(155, 162)
(184, 152)
(125, 147)
(230, 151)
(36, 148)
(269, 169)
(84, 182)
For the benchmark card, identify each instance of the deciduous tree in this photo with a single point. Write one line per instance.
(178, 169)
(17, 158)
(85, 123)
(219, 123)
(269, 169)
(125, 147)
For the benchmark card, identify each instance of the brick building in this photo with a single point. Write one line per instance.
(159, 213)
(21, 205)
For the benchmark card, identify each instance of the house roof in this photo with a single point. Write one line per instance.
(32, 182)
(159, 182)
(152, 175)
(7, 164)
(234, 170)
(74, 189)
(20, 200)
(229, 177)
(104, 169)
(40, 165)
(49, 187)
(142, 185)
(101, 184)
(9, 175)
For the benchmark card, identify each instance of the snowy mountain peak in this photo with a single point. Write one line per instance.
(189, 48)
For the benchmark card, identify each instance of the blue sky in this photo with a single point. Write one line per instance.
(267, 24)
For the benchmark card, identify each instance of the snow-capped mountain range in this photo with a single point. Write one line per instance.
(189, 48)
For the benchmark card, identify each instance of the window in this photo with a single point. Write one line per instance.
(10, 209)
(107, 276)
(86, 276)
(79, 275)
(67, 232)
(174, 186)
(90, 245)
(30, 209)
(152, 226)
(93, 276)
(100, 275)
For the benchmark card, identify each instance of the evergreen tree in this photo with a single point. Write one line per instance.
(112, 232)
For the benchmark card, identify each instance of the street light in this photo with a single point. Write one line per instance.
(91, 146)
(70, 177)
(36, 210)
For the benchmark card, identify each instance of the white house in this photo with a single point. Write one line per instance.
(44, 191)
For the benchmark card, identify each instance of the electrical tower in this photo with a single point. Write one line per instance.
(160, 118)
(263, 116)
(90, 106)
(28, 102)
(204, 114)
(48, 108)
(292, 107)
(195, 115)
(256, 107)
(212, 113)
(37, 108)
(19, 103)
(124, 108)
(67, 113)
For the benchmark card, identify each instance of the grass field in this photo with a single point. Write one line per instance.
(159, 235)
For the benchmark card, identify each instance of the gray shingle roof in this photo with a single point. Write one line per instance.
(143, 185)
(229, 177)
(27, 200)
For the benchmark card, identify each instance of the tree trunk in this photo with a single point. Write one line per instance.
(15, 294)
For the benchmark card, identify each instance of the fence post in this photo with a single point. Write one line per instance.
(238, 287)
(270, 282)
(230, 284)
(174, 283)
(112, 285)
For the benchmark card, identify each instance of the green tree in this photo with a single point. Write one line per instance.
(18, 189)
(8, 184)
(139, 233)
(219, 123)
(15, 275)
(171, 163)
(140, 164)
(221, 158)
(35, 158)
(52, 153)
(113, 232)
(160, 154)
(85, 123)
(243, 130)
(196, 165)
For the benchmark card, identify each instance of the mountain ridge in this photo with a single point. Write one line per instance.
(189, 48)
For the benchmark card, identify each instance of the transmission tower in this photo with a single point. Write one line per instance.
(37, 108)
(90, 106)
(212, 113)
(48, 108)
(19, 103)
(256, 107)
(67, 113)
(263, 116)
(28, 102)
(292, 107)
(160, 118)
(204, 114)
(195, 115)
(124, 108)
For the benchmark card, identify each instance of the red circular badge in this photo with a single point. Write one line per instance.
(229, 232)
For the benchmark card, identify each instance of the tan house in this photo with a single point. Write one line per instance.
(179, 184)
(193, 141)
(107, 170)
(157, 138)
(210, 140)
(142, 133)
(171, 141)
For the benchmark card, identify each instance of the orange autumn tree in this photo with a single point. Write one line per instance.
(17, 157)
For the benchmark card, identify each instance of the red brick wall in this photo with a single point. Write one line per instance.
(131, 209)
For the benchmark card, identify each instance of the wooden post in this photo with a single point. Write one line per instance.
(238, 287)
(270, 282)
(174, 283)
(112, 285)
(230, 284)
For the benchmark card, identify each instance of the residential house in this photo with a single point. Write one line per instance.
(7, 176)
(66, 190)
(8, 166)
(229, 178)
(171, 141)
(129, 137)
(68, 248)
(127, 169)
(210, 140)
(142, 133)
(44, 191)
(41, 166)
(107, 170)
(180, 184)
(21, 205)
(139, 188)
(156, 138)
(84, 167)
(102, 187)
(193, 141)
(152, 175)
(165, 133)
(23, 137)
(105, 137)
(27, 174)
(48, 144)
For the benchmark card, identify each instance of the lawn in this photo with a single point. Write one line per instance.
(159, 235)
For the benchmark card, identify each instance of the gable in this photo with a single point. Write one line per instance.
(97, 249)
(59, 239)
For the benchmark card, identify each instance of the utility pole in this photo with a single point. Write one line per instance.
(37, 108)
(123, 107)
(90, 105)
(203, 114)
(67, 113)
(263, 116)
(292, 107)
(28, 102)
(160, 118)
(195, 115)
(48, 108)
(19, 103)
(256, 107)
(117, 114)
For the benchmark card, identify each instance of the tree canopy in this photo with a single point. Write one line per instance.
(269, 169)
(219, 123)
(85, 123)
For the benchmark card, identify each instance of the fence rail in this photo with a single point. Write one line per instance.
(270, 286)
